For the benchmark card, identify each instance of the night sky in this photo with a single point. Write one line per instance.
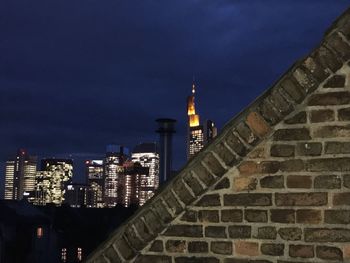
(78, 75)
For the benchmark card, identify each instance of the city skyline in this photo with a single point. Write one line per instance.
(72, 105)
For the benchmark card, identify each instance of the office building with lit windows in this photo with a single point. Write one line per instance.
(20, 175)
(147, 155)
(198, 135)
(51, 181)
(113, 166)
(95, 181)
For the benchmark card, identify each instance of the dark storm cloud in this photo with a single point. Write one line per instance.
(76, 75)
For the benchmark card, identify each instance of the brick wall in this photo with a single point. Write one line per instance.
(274, 186)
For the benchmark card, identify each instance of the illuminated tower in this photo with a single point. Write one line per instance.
(20, 175)
(146, 154)
(198, 135)
(195, 134)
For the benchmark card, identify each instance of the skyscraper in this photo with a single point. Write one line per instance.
(113, 165)
(197, 134)
(95, 180)
(20, 175)
(52, 180)
(147, 155)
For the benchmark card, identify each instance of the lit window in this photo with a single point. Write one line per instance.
(64, 255)
(39, 232)
(80, 254)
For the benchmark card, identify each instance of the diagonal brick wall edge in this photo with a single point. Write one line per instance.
(239, 137)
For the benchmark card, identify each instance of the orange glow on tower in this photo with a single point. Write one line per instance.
(193, 118)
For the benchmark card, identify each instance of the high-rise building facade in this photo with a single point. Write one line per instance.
(95, 181)
(20, 175)
(147, 155)
(113, 165)
(198, 135)
(52, 180)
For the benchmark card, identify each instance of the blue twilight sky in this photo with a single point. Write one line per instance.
(76, 75)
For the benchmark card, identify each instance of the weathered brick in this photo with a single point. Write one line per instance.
(301, 251)
(298, 118)
(305, 79)
(193, 183)
(152, 221)
(327, 182)
(172, 202)
(241, 260)
(221, 247)
(100, 259)
(239, 231)
(203, 174)
(309, 216)
(184, 231)
(309, 149)
(197, 247)
(327, 235)
(133, 239)
(224, 183)
(209, 200)
(161, 210)
(269, 167)
(231, 215)
(293, 165)
(346, 179)
(321, 116)
(257, 152)
(329, 253)
(235, 144)
(282, 103)
(225, 154)
(341, 198)
(208, 216)
(301, 199)
(332, 131)
(189, 216)
(215, 231)
(268, 112)
(282, 150)
(282, 215)
(182, 192)
(344, 114)
(337, 147)
(290, 233)
(244, 183)
(257, 124)
(329, 164)
(112, 255)
(246, 248)
(327, 58)
(336, 81)
(336, 44)
(157, 246)
(153, 259)
(293, 89)
(330, 98)
(255, 215)
(124, 248)
(315, 68)
(196, 260)
(248, 199)
(175, 246)
(213, 164)
(267, 232)
(249, 168)
(293, 134)
(272, 249)
(299, 181)
(246, 134)
(272, 181)
(337, 216)
(143, 230)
